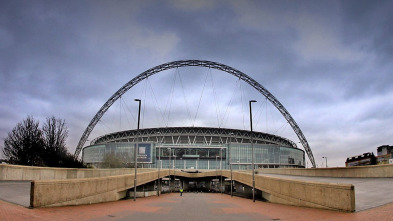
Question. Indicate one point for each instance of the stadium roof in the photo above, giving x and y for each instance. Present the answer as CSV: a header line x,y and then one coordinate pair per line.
x,y
193,135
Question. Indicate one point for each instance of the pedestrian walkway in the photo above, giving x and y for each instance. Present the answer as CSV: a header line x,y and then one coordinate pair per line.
x,y
191,206
17,192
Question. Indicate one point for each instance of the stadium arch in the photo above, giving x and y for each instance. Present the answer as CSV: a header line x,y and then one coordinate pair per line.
x,y
197,63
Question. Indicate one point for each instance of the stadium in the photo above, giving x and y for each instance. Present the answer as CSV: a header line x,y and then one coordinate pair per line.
x,y
203,148
195,148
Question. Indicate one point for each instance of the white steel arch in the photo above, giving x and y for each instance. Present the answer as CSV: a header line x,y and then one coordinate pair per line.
x,y
198,63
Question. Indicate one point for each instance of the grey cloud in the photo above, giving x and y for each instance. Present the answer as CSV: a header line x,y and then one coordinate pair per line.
x,y
322,60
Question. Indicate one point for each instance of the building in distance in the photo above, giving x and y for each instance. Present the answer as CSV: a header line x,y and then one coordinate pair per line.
x,y
384,156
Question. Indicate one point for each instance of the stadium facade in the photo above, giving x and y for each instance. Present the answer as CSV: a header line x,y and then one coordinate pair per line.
x,y
195,148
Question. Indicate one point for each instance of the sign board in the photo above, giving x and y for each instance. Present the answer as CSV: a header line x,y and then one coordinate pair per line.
x,y
144,153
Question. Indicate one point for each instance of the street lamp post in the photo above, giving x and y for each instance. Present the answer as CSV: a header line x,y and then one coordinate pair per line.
x,y
174,170
217,167
252,152
159,166
326,161
221,170
169,167
136,147
231,179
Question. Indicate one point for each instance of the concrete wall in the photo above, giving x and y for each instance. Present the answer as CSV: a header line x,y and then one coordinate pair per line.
x,y
46,193
300,193
63,192
61,186
356,172
103,189
16,172
143,194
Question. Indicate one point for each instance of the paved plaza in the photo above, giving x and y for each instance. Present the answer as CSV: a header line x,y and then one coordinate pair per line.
x,y
191,206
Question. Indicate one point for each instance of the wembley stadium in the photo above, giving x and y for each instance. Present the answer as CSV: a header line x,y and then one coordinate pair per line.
x,y
195,148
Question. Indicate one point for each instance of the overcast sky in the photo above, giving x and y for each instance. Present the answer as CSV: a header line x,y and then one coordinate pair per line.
x,y
328,62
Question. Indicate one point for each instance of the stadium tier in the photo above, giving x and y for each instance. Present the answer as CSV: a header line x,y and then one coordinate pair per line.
x,y
194,148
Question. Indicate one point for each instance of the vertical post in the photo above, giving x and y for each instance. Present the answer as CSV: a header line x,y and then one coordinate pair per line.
x,y
136,147
221,170
174,171
216,168
158,166
326,161
252,153
231,179
169,167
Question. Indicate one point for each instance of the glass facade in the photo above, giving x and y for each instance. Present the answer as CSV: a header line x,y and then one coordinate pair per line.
x,y
122,151
151,155
266,155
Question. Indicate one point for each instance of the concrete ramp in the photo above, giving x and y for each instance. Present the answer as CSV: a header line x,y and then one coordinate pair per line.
x,y
330,196
46,193
60,187
17,192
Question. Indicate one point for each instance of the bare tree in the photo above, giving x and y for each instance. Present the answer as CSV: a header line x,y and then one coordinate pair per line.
x,y
54,134
110,160
27,144
23,145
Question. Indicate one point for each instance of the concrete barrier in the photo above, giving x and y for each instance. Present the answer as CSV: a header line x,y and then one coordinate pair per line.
x,y
301,193
48,193
16,172
63,186
380,171
45,193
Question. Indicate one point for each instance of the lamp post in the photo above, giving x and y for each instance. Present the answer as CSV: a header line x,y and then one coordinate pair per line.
x,y
326,161
231,179
252,152
217,167
136,147
159,166
169,167
221,170
174,170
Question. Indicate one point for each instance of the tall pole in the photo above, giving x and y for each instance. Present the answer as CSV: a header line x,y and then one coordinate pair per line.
x,y
136,147
221,170
174,172
326,161
159,161
169,167
252,153
216,169
231,179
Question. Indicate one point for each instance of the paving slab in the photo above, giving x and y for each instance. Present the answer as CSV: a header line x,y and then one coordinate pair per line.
x,y
191,206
